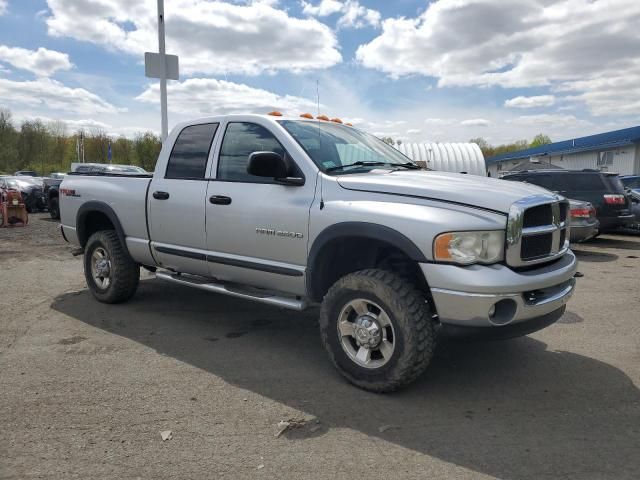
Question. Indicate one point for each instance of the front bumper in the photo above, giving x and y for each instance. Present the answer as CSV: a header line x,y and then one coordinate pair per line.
x,y
466,296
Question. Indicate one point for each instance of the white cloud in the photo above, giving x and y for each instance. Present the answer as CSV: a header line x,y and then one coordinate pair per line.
x,y
353,15
550,120
51,94
530,102
475,122
439,121
3,6
43,62
322,9
414,131
576,44
207,96
209,37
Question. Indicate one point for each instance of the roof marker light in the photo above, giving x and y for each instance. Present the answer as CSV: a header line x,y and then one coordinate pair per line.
x,y
322,117
275,113
306,115
336,120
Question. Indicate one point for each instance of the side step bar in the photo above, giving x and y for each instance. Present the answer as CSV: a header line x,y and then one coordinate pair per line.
x,y
255,295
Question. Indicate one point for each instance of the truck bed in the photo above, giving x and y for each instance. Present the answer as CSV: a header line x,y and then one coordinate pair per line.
x,y
126,195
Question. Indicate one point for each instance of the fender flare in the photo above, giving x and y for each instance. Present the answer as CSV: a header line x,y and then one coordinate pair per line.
x,y
95,206
373,231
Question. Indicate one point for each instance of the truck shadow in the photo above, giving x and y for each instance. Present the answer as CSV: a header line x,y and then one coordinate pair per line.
x,y
508,409
591,256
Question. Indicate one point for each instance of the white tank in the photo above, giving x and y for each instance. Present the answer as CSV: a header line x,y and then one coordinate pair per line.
x,y
447,157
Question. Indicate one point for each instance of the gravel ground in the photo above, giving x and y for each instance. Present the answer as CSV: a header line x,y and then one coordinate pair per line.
x,y
86,388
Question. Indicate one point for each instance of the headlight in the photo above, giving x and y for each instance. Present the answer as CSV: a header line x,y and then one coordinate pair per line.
x,y
469,247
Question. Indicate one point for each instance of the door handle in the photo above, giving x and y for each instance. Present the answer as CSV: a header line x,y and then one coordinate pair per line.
x,y
220,200
161,195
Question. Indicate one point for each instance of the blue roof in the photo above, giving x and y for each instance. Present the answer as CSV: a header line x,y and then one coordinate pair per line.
x,y
617,138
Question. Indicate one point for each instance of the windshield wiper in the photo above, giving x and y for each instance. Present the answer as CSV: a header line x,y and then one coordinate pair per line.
x,y
409,165
356,164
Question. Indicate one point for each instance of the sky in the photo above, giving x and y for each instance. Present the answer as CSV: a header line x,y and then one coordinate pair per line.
x,y
415,70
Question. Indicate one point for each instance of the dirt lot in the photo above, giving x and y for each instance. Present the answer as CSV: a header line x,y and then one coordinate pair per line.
x,y
86,388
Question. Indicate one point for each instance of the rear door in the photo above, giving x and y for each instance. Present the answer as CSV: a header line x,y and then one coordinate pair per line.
x,y
256,228
176,202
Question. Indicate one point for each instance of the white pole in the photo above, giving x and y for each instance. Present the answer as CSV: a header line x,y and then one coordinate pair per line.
x,y
163,78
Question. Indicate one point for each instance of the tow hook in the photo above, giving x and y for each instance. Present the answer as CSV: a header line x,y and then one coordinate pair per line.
x,y
578,275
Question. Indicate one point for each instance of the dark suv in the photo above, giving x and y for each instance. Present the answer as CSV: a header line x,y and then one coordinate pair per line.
x,y
603,190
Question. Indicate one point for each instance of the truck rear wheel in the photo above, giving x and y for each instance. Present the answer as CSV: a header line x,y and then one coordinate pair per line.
x,y
377,329
112,276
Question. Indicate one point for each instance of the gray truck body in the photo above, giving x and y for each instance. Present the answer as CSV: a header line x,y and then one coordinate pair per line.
x,y
279,237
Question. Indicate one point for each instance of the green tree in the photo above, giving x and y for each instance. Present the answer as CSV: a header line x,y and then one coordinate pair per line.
x,y
539,140
147,147
8,142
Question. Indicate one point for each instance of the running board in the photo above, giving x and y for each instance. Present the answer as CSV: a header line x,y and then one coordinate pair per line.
x,y
255,295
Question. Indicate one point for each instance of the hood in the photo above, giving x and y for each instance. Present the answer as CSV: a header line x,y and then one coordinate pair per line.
x,y
484,192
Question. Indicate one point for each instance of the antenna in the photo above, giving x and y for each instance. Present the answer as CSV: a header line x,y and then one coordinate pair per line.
x,y
318,96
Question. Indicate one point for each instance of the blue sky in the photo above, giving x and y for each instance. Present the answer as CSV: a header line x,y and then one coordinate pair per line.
x,y
447,70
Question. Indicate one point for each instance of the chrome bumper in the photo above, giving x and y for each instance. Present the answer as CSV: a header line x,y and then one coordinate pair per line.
x,y
495,295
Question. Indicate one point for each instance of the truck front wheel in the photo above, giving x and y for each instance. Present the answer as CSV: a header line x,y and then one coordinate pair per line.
x,y
112,276
377,328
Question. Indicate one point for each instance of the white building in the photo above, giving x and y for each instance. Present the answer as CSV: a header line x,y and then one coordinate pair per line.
x,y
617,151
447,157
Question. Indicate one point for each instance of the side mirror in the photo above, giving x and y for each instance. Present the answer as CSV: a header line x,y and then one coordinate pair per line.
x,y
271,165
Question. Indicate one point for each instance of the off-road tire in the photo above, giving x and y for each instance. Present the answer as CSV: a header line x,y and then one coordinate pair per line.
x,y
124,275
54,208
412,322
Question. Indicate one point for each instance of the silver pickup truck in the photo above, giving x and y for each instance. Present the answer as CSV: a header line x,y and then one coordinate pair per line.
x,y
295,212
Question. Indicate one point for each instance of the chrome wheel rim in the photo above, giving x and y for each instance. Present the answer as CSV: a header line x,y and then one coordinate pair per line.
x,y
101,268
366,333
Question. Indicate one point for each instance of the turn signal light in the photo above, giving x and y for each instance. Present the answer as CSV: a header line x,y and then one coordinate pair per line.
x,y
275,113
307,115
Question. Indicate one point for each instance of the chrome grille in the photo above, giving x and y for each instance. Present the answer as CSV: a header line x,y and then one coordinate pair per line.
x,y
537,230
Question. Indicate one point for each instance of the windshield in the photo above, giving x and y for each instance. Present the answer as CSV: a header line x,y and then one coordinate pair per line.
x,y
342,149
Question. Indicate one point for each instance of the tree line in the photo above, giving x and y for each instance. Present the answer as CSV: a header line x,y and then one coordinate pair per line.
x,y
490,150
51,146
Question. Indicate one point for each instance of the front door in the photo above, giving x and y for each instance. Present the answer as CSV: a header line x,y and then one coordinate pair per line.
x,y
256,228
176,203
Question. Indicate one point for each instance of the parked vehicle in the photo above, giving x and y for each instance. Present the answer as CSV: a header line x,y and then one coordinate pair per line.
x,y
51,194
107,168
57,175
30,188
631,182
634,198
584,224
603,190
25,173
282,211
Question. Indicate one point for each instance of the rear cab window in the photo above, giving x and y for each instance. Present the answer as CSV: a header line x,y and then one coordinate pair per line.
x,y
188,159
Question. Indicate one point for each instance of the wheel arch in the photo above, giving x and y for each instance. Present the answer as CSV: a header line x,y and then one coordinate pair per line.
x,y
93,216
320,276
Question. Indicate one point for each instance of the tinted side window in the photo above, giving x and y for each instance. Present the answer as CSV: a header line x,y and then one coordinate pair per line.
x,y
584,182
240,141
544,181
188,158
